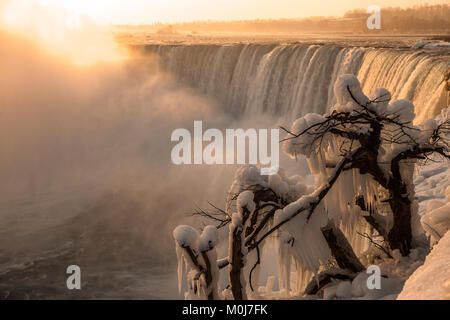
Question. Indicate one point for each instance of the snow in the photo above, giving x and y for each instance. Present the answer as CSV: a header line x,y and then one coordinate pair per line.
x,y
431,280
245,176
390,286
430,124
381,98
431,44
278,185
345,102
245,200
339,201
444,115
344,289
304,143
403,109
269,284
236,221
427,129
214,269
284,261
208,239
301,243
429,181
288,188
436,221
309,247
185,236
291,209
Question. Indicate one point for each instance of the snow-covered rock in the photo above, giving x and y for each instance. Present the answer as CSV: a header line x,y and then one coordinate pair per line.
x,y
432,279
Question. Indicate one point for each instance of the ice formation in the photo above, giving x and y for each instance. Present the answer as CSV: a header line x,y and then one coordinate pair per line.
x,y
197,256
338,205
246,207
436,221
301,243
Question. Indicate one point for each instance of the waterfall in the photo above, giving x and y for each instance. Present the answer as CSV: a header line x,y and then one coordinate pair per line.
x,y
294,79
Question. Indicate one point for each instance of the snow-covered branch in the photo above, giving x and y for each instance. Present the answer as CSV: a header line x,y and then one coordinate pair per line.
x,y
307,203
197,254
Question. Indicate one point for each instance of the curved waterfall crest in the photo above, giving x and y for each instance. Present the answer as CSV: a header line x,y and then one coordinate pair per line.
x,y
294,79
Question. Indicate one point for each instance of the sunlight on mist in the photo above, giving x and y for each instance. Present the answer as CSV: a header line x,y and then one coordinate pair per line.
x,y
65,33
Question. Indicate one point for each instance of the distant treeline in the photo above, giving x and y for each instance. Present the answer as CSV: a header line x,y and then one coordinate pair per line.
x,y
417,19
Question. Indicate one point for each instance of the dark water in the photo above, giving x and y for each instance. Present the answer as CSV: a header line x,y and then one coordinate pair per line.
x,y
106,239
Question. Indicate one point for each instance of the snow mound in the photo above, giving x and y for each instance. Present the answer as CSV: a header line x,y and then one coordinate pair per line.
x,y
432,279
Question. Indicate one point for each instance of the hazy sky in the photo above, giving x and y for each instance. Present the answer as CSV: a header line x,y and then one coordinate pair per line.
x,y
148,11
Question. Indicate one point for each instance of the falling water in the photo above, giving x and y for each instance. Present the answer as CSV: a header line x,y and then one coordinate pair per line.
x,y
294,79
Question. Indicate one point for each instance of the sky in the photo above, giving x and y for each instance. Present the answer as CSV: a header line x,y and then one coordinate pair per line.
x,y
136,12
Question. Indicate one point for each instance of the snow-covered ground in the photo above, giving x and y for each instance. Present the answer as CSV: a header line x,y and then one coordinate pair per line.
x,y
432,279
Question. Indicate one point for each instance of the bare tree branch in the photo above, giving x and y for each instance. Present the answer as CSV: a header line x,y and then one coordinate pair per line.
x,y
319,194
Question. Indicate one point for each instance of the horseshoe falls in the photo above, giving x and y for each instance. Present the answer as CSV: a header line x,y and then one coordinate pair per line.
x,y
290,80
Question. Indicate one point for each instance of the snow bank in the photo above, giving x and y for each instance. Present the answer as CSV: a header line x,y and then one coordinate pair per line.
x,y
436,221
432,280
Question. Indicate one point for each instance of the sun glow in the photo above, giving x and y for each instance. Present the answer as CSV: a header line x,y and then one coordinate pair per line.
x,y
135,12
63,28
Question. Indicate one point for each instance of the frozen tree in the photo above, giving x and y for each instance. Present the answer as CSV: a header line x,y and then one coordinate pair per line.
x,y
362,153
197,254
376,140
